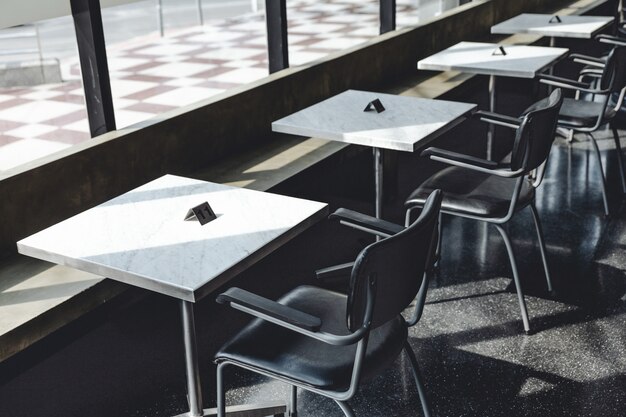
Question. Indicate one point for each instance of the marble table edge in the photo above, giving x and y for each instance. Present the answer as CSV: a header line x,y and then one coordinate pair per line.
x,y
478,71
327,135
570,35
428,66
109,272
501,29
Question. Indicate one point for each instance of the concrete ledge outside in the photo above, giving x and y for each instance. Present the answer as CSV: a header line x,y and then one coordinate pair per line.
x,y
28,73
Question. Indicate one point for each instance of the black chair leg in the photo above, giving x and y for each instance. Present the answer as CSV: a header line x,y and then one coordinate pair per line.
x,y
620,159
345,408
418,379
221,393
439,239
293,402
542,246
518,284
602,178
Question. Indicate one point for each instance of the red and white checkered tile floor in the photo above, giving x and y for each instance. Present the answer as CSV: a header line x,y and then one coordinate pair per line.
x,y
153,75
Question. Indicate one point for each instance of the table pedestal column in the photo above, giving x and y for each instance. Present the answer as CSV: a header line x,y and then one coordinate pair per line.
x,y
194,391
492,108
378,181
551,69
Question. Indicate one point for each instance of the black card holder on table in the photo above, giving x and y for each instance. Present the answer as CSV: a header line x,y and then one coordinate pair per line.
x,y
499,51
555,19
375,105
203,213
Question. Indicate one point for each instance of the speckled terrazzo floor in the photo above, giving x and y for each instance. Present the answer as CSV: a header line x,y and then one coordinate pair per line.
x,y
126,360
474,356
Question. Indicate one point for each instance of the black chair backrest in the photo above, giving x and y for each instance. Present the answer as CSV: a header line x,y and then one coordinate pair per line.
x,y
614,75
619,17
536,133
397,265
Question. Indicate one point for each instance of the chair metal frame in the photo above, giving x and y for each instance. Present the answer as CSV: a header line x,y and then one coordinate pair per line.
x,y
601,68
493,168
359,336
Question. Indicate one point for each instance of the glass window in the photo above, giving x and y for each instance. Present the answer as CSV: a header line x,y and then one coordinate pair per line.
x,y
162,58
411,12
163,54
318,28
42,107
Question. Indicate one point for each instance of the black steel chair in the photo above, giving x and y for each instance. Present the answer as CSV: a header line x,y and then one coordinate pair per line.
x,y
616,38
328,343
581,115
493,192
619,27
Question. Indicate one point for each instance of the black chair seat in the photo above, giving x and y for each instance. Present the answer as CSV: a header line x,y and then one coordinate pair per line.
x,y
282,352
579,113
472,193
582,113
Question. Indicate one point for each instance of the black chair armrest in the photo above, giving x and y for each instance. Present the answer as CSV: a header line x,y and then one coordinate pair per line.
x,y
270,308
564,83
472,163
588,60
610,39
459,157
591,72
497,119
587,57
334,273
366,223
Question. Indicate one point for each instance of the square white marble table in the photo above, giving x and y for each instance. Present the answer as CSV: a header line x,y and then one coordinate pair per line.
x,y
520,61
585,27
141,238
408,123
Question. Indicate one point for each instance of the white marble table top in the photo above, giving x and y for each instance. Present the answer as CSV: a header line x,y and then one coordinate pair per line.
x,y
585,27
141,238
407,123
523,61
